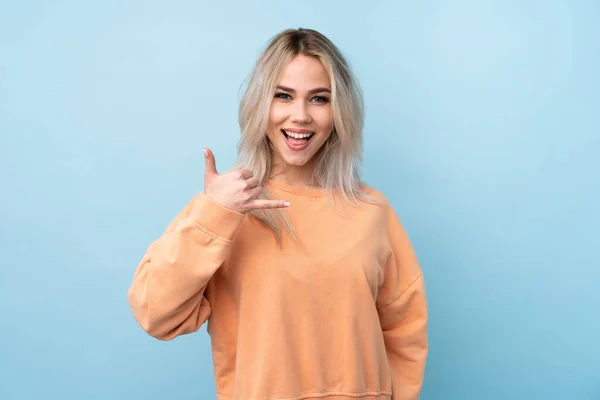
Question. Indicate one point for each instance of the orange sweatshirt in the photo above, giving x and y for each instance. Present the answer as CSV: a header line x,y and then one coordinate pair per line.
x,y
344,318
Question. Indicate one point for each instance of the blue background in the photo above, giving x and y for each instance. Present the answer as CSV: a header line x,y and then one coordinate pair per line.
x,y
482,129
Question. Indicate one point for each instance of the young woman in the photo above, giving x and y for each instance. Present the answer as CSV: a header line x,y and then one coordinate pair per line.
x,y
306,277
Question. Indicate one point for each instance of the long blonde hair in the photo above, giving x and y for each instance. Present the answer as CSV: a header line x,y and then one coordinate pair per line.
x,y
337,162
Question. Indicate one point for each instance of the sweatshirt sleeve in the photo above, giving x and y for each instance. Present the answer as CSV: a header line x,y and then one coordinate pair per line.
x,y
402,308
167,293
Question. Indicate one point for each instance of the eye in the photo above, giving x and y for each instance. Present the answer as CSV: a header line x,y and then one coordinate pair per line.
x,y
321,99
282,95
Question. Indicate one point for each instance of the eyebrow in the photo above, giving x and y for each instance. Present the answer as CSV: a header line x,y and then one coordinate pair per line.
x,y
316,90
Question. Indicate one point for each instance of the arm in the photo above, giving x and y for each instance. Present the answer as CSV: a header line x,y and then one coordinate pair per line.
x,y
402,308
167,293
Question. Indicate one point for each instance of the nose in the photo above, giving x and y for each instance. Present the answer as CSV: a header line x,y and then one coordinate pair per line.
x,y
300,114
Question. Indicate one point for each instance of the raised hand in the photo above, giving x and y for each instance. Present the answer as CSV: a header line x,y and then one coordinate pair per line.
x,y
236,190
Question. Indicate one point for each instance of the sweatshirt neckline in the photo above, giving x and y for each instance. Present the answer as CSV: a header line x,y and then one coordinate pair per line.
x,y
310,192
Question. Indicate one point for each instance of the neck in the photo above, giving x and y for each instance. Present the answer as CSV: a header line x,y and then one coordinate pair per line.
x,y
299,176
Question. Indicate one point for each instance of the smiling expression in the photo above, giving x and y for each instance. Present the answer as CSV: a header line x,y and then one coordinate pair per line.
x,y
300,117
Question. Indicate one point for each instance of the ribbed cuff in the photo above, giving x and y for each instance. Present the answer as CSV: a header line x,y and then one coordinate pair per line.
x,y
215,218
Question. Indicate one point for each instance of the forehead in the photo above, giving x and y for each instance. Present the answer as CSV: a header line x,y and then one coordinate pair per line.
x,y
304,73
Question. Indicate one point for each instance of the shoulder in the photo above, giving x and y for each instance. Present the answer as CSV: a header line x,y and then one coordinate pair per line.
x,y
377,202
387,213
377,195
373,192
389,219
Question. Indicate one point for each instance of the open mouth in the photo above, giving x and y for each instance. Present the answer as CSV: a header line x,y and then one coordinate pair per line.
x,y
299,137
297,141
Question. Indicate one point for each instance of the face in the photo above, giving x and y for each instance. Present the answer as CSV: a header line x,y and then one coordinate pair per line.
x,y
300,118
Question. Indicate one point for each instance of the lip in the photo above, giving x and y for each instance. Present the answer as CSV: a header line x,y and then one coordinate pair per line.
x,y
297,130
296,147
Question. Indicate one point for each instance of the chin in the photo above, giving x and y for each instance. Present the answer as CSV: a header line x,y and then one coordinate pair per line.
x,y
297,161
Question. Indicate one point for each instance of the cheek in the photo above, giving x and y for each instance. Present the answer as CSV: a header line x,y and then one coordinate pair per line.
x,y
277,114
324,118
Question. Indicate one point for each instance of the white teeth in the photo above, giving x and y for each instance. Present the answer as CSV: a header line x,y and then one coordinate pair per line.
x,y
298,135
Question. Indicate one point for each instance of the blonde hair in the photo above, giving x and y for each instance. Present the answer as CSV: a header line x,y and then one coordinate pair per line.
x,y
337,162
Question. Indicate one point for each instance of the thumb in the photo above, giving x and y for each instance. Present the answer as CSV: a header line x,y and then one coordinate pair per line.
x,y
210,164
